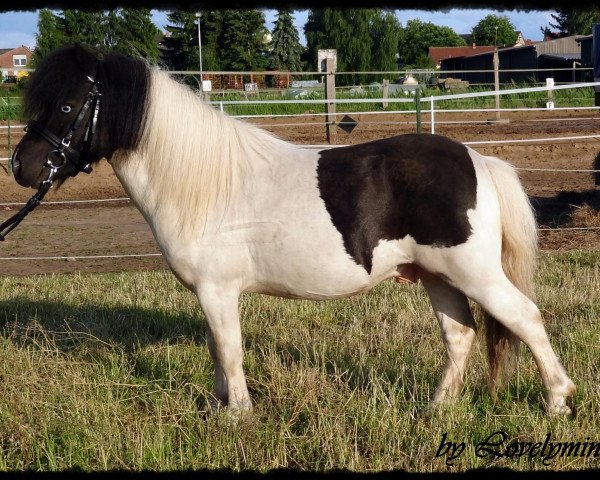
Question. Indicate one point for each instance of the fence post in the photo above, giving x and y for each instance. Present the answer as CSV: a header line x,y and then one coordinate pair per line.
x,y
418,108
596,61
432,115
330,100
496,61
385,91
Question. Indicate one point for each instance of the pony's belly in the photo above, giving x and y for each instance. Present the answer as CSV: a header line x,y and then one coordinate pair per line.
x,y
339,289
326,274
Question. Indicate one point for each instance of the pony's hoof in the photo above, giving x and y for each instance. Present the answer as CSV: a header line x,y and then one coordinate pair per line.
x,y
561,409
236,415
560,404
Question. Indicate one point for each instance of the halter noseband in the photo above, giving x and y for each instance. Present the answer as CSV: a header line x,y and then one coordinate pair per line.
x,y
62,152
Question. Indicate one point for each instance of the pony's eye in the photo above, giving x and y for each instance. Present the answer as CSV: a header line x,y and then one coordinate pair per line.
x,y
65,109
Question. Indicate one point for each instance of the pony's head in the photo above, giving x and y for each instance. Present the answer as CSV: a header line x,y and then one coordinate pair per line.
x,y
81,107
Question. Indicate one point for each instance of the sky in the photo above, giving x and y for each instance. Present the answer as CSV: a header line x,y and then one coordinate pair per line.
x,y
19,28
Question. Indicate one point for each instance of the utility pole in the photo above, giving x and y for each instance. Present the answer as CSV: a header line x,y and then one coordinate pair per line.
x,y
198,14
496,61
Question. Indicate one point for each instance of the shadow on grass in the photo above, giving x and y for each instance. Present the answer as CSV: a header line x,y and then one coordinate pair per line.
x,y
96,334
70,326
345,366
558,211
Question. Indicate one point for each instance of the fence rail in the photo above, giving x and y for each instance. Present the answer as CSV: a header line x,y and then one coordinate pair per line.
x,y
416,101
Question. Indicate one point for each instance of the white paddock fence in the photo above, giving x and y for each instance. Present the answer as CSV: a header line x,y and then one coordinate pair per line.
x,y
431,100
432,110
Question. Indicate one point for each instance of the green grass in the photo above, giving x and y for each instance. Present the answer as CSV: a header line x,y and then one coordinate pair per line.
x,y
581,97
110,371
10,107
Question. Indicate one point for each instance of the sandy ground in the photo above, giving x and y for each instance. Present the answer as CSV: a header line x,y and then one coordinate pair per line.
x,y
560,199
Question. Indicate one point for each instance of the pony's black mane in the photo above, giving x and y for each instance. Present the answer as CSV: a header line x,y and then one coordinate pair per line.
x,y
123,82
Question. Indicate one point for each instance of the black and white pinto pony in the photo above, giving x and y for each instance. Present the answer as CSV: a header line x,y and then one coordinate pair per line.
x,y
234,209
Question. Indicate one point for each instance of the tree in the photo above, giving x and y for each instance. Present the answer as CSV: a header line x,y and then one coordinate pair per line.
x,y
314,32
129,31
494,30
112,30
231,40
418,36
286,48
353,41
362,37
83,27
243,44
212,32
181,46
49,35
385,36
136,34
331,28
572,21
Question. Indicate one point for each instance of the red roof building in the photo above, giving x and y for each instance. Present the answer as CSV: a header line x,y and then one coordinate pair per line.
x,y
437,54
13,60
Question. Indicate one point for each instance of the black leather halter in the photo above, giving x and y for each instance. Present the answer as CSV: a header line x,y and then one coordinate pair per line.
x,y
62,149
57,158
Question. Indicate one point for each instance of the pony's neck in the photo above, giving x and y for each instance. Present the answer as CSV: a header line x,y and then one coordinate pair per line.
x,y
192,160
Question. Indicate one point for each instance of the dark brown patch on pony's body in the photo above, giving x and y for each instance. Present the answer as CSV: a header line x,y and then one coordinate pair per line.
x,y
418,185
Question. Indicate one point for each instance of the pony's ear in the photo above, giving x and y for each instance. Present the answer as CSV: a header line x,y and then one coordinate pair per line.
x,y
86,58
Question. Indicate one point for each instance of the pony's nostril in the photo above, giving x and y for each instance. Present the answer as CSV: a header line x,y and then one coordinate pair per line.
x,y
15,162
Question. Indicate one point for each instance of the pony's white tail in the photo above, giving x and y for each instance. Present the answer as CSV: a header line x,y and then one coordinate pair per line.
x,y
519,259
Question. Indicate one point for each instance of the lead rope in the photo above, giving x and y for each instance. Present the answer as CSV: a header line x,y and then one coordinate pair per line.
x,y
31,204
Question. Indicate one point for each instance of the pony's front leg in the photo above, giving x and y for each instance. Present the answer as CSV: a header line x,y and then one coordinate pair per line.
x,y
220,306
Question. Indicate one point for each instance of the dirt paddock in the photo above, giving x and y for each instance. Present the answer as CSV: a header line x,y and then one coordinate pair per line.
x,y
561,199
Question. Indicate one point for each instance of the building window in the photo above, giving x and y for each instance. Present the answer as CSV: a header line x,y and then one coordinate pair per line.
x,y
19,60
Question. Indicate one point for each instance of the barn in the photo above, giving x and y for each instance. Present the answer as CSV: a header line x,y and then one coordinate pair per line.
x,y
553,55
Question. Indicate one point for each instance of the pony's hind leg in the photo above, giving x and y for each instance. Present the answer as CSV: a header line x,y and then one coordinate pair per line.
x,y
456,322
502,300
220,306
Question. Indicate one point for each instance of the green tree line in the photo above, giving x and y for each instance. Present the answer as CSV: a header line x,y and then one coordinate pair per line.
x,y
238,40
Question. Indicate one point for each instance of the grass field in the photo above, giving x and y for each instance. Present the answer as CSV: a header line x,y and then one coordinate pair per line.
x,y
580,97
110,371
